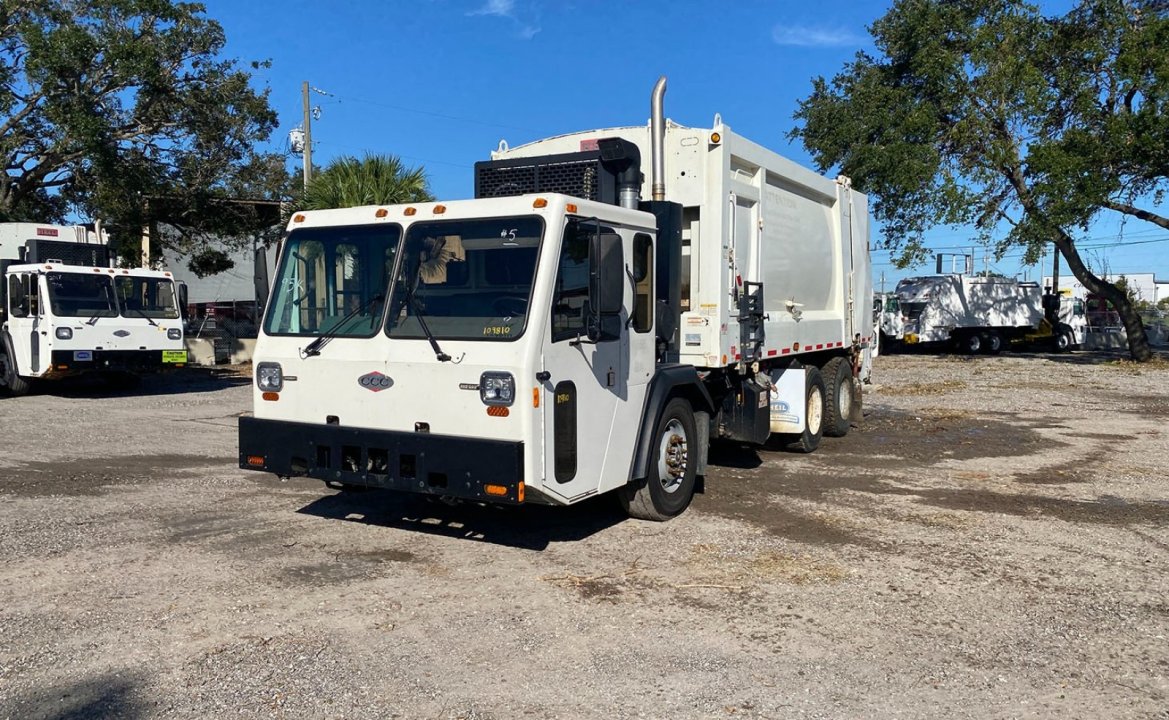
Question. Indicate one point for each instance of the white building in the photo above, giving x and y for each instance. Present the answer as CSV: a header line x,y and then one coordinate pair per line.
x,y
1145,285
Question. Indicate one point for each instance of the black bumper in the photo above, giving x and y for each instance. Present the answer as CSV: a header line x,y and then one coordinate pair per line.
x,y
67,362
411,462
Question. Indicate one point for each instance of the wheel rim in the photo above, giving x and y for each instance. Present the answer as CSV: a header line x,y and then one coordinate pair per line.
x,y
844,399
673,456
974,343
815,410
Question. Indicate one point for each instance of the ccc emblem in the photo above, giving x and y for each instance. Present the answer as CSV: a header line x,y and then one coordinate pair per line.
x,y
375,381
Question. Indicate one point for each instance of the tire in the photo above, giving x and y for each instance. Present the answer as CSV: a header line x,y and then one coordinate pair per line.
x,y
992,342
17,385
837,374
1063,340
969,343
814,412
669,485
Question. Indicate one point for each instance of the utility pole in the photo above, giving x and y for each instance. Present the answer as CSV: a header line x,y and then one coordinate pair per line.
x,y
308,135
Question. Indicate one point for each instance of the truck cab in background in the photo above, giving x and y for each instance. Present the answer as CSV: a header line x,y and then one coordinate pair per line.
x,y
64,311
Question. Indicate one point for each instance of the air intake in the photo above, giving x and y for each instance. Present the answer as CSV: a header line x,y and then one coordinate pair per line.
x,y
578,174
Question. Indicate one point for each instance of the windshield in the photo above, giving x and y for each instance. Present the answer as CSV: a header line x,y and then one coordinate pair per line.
x,y
333,280
146,296
79,295
469,279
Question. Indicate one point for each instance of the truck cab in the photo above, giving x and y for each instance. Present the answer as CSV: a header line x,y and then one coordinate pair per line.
x,y
59,319
496,367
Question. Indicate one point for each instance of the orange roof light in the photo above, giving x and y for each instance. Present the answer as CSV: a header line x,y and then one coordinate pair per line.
x,y
539,203
381,213
409,211
439,209
298,218
571,207
715,138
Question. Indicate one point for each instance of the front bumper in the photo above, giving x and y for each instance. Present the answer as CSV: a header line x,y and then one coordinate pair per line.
x,y
70,362
444,465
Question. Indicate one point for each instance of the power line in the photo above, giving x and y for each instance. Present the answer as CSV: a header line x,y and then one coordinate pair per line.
x,y
429,113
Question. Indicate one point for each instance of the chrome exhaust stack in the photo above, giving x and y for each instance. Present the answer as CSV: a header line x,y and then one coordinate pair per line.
x,y
657,124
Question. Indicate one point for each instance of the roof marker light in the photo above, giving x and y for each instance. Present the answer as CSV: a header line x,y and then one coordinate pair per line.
x,y
439,209
381,213
298,218
539,203
571,207
409,211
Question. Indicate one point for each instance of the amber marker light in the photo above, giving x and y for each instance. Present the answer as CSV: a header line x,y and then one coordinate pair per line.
x,y
256,460
535,397
381,213
497,490
439,209
271,396
519,491
298,218
570,207
498,411
715,138
410,211
539,203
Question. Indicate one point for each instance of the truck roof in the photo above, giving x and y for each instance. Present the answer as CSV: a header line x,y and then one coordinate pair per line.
x,y
61,267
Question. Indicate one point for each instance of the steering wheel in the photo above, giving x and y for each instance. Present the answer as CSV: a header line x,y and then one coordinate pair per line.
x,y
510,306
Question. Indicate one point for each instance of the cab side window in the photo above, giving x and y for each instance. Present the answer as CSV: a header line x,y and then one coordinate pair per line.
x,y
643,276
570,298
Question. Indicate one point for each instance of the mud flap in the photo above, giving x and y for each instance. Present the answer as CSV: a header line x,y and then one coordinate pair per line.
x,y
856,411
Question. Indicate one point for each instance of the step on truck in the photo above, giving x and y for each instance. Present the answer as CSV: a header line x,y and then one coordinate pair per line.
x,y
65,311
979,314
577,328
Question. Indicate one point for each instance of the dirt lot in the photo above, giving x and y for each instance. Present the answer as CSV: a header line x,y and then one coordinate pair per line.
x,y
993,541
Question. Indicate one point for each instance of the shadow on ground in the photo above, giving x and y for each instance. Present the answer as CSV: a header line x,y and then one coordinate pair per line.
x,y
529,527
171,382
106,696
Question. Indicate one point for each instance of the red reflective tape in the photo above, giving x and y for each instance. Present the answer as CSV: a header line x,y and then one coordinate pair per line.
x,y
737,356
770,353
786,351
820,346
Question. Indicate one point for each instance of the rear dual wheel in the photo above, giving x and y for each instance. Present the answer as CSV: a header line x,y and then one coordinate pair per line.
x,y
815,412
837,375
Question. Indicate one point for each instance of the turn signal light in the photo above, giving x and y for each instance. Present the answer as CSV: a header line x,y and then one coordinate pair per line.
x,y
271,396
256,460
495,489
519,491
498,411
535,397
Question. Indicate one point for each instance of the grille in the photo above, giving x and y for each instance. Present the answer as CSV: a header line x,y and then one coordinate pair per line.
x,y
90,255
581,177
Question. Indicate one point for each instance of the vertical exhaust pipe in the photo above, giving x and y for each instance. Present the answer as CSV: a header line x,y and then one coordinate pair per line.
x,y
657,125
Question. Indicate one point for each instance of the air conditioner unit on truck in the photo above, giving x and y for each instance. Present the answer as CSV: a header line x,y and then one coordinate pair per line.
x,y
559,336
976,314
65,311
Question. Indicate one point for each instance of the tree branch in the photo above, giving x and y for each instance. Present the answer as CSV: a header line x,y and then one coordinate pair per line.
x,y
1137,212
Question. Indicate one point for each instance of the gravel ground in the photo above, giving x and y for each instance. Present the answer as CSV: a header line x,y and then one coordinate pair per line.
x,y
991,542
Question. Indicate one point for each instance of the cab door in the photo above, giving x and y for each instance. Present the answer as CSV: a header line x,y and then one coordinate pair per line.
x,y
24,310
586,380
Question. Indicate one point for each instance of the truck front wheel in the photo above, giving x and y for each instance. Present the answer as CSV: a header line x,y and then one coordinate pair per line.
x,y
16,384
669,486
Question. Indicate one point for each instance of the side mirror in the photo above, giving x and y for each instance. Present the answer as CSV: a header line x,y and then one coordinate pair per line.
x,y
260,280
183,300
606,285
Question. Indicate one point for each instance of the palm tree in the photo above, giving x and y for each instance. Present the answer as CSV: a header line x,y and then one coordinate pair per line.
x,y
373,180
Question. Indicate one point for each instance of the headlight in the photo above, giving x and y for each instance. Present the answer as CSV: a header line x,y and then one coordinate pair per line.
x,y
64,333
269,377
174,334
496,388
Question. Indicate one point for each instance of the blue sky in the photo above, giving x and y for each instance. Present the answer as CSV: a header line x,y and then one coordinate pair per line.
x,y
440,82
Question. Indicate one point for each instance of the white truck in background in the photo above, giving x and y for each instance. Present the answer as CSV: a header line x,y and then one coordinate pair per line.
x,y
979,314
559,336
65,311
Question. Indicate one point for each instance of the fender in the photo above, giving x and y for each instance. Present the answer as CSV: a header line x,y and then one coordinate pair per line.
x,y
670,381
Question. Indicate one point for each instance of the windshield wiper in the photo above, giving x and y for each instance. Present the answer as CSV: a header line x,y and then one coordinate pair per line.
x,y
142,314
418,312
314,348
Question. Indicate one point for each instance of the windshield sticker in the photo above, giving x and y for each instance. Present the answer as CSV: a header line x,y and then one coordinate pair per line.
x,y
497,330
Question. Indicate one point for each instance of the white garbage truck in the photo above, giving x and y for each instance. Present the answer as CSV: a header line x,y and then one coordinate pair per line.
x,y
577,328
980,314
65,311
